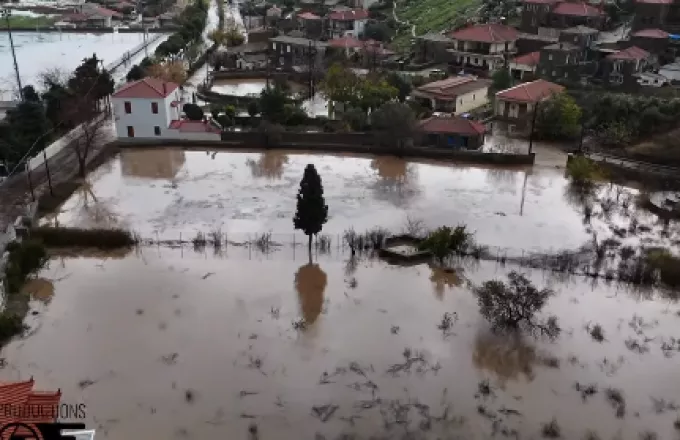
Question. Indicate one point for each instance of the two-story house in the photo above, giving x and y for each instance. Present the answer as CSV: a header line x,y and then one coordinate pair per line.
x,y
623,68
581,36
347,22
152,109
654,41
516,104
311,25
457,95
560,61
288,52
537,14
524,66
482,48
657,14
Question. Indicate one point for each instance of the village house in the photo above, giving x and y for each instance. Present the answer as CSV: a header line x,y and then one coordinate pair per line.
x,y
482,48
656,14
654,41
152,109
581,36
622,68
560,61
311,25
537,14
288,52
432,48
451,132
523,67
457,94
516,104
347,22
90,15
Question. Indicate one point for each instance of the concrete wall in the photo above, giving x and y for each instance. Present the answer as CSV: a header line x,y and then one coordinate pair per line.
x,y
360,143
472,100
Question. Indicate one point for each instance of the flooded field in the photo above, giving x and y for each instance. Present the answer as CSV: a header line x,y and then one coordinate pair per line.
x,y
317,106
165,193
178,344
67,49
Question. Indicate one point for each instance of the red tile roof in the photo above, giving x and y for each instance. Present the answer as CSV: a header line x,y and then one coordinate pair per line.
x,y
345,42
349,14
486,33
530,59
21,404
451,88
186,126
655,2
148,88
105,12
530,92
451,124
308,16
577,9
631,54
651,33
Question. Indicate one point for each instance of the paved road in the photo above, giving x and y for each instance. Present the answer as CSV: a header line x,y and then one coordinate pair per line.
x,y
15,191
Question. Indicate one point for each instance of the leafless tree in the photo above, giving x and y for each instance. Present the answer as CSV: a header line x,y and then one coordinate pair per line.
x,y
86,138
51,76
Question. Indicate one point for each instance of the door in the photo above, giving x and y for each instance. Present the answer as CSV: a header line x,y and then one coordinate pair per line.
x,y
131,131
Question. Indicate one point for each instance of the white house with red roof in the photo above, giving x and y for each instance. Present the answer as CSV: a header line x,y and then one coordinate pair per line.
x,y
92,15
517,103
152,109
555,14
482,47
347,22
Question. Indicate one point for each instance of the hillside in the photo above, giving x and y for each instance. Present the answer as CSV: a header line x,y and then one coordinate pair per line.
x,y
435,15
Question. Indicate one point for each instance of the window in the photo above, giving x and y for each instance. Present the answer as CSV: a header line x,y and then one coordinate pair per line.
x,y
131,131
554,73
154,108
128,107
549,57
157,130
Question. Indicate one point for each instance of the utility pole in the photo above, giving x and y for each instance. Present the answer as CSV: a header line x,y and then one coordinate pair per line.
x,y
47,168
6,13
533,123
310,68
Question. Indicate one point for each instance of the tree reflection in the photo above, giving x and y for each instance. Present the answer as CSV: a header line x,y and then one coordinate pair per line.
x,y
269,165
397,180
310,283
507,356
442,278
91,210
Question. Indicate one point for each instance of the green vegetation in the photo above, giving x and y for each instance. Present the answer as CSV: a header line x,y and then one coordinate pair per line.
x,y
59,237
446,241
558,118
22,21
583,171
435,15
192,21
312,212
666,265
34,123
24,259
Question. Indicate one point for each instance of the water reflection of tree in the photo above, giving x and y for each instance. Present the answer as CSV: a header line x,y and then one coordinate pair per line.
x,y
269,165
310,283
91,210
442,278
397,181
507,356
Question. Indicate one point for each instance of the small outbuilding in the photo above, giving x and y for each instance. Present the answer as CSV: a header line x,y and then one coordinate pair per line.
x,y
452,132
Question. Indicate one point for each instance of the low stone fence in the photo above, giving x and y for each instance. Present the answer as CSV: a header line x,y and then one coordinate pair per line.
x,y
359,143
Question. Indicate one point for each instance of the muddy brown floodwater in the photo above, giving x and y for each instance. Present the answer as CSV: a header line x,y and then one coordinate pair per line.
x,y
171,343
165,193
174,343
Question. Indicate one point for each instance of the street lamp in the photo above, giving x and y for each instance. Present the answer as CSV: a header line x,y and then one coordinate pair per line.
x,y
6,14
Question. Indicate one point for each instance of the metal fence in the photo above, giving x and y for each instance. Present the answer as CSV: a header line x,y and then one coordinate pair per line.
x,y
112,66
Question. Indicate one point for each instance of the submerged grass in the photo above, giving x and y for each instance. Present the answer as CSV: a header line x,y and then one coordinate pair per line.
x,y
60,237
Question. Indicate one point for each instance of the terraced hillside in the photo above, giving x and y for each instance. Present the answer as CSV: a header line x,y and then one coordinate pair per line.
x,y
435,15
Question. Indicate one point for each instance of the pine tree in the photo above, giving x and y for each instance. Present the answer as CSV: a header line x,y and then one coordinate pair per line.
x,y
312,211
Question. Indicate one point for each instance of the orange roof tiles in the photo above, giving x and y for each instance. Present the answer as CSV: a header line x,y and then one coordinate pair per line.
x,y
148,88
530,92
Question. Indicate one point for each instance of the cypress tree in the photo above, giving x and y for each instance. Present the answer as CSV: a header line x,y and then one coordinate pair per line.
x,y
312,212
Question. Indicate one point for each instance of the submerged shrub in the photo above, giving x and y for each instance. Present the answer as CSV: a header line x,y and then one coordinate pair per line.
x,y
77,237
445,241
25,258
583,171
512,306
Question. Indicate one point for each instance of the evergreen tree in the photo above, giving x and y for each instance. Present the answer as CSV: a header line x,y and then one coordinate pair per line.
x,y
312,211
